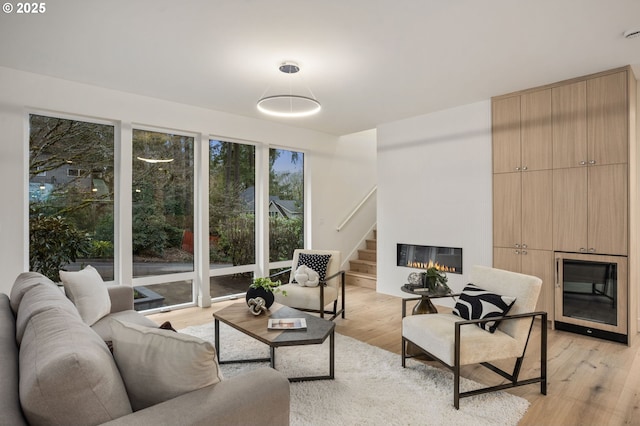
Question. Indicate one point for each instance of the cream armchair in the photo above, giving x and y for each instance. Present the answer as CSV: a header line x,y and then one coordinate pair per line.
x,y
329,290
456,341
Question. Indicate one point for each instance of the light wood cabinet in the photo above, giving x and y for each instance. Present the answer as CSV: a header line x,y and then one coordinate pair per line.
x,y
564,175
536,130
608,209
506,134
569,125
607,115
522,132
570,209
590,124
590,209
538,263
522,210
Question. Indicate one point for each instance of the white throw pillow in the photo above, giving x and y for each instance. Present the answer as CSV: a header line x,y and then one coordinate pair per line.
x,y
88,292
157,365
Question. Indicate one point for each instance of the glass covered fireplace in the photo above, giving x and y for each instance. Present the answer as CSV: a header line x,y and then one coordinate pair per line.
x,y
591,295
447,259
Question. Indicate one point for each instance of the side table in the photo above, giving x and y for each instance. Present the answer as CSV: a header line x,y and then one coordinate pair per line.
x,y
424,306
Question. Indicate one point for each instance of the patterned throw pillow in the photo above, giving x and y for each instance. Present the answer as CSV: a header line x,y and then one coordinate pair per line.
x,y
317,262
477,303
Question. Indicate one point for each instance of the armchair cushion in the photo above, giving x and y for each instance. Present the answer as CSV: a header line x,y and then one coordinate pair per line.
x,y
477,303
317,262
435,333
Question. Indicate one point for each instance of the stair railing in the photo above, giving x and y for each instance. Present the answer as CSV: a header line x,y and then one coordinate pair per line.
x,y
357,208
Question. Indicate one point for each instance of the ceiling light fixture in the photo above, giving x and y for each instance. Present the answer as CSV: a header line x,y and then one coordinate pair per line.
x,y
289,105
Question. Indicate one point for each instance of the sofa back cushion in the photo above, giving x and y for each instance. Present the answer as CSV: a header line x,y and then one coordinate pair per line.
x,y
67,374
22,284
157,365
9,401
88,292
40,298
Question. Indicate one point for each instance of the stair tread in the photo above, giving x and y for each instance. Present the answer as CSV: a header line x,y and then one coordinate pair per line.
x,y
364,262
362,274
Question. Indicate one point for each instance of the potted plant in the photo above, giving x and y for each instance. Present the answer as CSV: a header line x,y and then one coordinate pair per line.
x,y
264,287
435,280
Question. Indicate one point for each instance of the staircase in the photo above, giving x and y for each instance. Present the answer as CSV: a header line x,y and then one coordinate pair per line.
x,y
363,270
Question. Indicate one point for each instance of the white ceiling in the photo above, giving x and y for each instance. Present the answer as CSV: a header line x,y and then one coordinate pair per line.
x,y
367,61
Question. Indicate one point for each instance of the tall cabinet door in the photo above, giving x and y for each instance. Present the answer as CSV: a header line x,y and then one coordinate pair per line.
x,y
607,113
570,209
539,263
508,259
537,211
608,207
569,103
507,209
506,134
535,130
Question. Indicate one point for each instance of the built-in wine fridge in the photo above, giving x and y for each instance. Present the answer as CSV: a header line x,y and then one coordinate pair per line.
x,y
591,295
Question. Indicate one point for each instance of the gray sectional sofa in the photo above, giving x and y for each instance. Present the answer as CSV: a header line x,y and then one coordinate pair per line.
x,y
57,370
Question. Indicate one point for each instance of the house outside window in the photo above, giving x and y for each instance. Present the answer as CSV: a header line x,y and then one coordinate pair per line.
x,y
68,161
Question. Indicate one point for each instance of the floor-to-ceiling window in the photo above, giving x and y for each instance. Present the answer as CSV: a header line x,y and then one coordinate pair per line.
x,y
163,214
286,203
73,184
71,195
232,216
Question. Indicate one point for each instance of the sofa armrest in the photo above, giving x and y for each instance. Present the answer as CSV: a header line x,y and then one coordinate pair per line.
x,y
259,396
121,297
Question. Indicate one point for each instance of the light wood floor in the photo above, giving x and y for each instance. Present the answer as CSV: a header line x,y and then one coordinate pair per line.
x,y
590,381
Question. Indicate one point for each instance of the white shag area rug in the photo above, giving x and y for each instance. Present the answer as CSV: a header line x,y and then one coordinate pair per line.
x,y
370,386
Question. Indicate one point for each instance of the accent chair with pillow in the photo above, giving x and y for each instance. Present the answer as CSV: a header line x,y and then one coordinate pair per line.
x,y
315,297
492,320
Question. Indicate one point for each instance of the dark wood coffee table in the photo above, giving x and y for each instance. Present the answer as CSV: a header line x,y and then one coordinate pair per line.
x,y
239,317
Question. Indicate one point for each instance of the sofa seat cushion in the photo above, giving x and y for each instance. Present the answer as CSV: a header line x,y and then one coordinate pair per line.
x,y
22,284
104,329
38,299
67,373
88,292
157,365
436,331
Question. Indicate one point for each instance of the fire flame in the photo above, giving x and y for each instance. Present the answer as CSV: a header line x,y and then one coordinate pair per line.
x,y
431,264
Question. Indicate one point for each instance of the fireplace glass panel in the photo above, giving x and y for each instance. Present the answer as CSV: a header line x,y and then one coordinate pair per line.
x,y
590,291
447,259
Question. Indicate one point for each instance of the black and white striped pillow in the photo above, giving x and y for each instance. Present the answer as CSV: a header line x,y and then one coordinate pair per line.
x,y
477,303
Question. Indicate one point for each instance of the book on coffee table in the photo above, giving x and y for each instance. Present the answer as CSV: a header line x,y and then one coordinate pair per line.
x,y
287,324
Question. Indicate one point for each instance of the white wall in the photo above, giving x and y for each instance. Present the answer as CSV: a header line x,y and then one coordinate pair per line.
x,y
351,168
434,188
22,92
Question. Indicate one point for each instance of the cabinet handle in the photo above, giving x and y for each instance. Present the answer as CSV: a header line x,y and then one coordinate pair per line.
x,y
516,251
592,162
517,168
524,246
583,163
592,250
525,168
524,252
517,245
557,272
583,250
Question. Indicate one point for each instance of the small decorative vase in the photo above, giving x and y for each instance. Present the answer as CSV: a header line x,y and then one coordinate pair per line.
x,y
268,296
